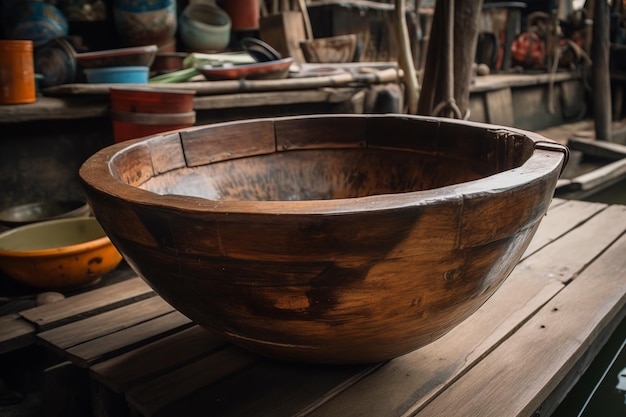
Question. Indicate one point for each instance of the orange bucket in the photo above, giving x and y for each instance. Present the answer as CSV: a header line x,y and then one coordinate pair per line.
x,y
17,72
138,112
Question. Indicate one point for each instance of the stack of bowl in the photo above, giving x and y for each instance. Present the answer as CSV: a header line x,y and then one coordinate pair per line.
x,y
118,66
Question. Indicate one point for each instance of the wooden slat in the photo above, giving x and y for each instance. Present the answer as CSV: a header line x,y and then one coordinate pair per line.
x,y
112,344
271,389
598,148
308,133
516,377
407,383
497,81
209,144
64,337
326,95
16,333
499,104
131,368
88,304
562,218
150,397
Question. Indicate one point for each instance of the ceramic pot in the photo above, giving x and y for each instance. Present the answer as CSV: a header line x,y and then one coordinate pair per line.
x,y
146,22
205,27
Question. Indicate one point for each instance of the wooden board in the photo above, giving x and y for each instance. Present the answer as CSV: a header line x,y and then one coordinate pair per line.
x,y
324,95
272,389
542,352
113,344
562,218
129,369
16,333
88,303
153,395
598,148
284,31
499,104
64,337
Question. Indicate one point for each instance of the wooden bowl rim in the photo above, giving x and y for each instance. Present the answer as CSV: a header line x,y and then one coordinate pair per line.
x,y
545,160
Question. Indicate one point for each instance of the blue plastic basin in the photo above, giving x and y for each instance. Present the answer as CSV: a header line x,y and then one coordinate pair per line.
x,y
123,75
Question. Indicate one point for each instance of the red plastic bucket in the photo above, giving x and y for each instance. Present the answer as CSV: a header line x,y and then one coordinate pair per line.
x,y
138,112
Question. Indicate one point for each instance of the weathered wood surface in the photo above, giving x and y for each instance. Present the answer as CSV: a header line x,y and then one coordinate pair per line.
x,y
20,329
82,331
16,333
498,105
88,304
414,380
111,344
571,320
535,330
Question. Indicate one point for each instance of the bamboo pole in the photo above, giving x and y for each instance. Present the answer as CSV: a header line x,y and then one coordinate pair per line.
x,y
308,29
406,57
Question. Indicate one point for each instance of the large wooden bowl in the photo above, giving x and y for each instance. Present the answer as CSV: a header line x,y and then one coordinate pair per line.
x,y
339,239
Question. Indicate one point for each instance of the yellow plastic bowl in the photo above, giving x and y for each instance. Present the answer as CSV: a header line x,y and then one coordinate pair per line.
x,y
57,254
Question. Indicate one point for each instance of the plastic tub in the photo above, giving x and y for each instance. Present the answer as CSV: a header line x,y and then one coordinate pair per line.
x,y
138,112
118,75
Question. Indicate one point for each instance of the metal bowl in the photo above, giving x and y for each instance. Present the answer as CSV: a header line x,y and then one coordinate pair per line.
x,y
43,210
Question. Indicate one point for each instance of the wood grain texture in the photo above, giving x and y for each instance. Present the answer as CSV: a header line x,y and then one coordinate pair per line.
x,y
572,319
405,385
152,395
62,338
113,344
88,304
159,357
16,333
307,238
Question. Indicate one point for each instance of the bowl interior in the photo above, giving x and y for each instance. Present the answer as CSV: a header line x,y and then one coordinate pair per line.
x,y
298,159
318,175
51,234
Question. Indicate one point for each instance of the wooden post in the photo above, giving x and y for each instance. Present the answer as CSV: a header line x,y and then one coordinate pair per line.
x,y
436,83
601,77
466,20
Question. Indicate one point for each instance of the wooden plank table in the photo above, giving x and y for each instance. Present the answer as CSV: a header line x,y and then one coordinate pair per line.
x,y
518,355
